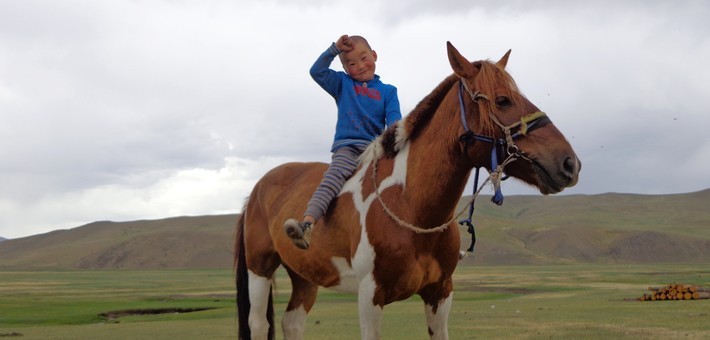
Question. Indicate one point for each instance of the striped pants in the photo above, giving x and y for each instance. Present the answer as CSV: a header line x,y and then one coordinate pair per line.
x,y
342,166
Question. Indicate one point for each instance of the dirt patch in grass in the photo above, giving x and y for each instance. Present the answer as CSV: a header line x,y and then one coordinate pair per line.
x,y
113,315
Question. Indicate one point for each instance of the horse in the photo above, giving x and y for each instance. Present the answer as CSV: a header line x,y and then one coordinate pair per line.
x,y
391,232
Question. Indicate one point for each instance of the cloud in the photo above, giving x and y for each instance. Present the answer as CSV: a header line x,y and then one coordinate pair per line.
x,y
128,110
157,194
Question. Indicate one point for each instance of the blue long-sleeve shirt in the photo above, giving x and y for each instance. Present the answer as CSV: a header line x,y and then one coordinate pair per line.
x,y
365,109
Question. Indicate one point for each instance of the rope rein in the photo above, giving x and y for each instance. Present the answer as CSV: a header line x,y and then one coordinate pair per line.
x,y
495,178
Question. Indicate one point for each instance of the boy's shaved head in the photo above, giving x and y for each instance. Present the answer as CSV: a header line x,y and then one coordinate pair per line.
x,y
357,57
358,39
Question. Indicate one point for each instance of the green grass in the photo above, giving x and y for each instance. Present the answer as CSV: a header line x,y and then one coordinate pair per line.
x,y
506,302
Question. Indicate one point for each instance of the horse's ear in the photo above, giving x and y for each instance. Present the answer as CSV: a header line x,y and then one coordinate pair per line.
x,y
461,66
504,61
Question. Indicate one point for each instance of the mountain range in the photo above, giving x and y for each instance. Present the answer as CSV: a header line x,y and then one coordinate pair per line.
x,y
605,228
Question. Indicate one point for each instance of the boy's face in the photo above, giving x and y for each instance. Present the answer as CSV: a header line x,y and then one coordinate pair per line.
x,y
359,63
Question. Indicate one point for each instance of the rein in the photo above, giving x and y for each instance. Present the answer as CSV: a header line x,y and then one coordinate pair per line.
x,y
494,177
527,123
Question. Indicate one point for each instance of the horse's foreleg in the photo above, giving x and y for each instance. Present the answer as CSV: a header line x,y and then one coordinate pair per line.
x,y
437,318
370,313
437,304
259,291
303,296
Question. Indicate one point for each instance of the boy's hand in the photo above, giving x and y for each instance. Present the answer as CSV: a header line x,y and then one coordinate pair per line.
x,y
344,44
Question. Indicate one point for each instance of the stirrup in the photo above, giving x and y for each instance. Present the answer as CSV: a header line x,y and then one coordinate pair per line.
x,y
299,232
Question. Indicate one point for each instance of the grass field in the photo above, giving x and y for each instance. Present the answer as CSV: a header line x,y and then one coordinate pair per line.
x,y
490,302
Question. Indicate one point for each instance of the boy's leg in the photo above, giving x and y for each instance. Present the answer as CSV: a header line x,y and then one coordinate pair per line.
x,y
343,164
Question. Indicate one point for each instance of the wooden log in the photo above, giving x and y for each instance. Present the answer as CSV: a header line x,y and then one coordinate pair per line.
x,y
676,291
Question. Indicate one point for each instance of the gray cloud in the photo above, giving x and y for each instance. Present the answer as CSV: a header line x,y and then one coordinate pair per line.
x,y
126,110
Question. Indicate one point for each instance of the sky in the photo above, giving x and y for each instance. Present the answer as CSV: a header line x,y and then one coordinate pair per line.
x,y
126,110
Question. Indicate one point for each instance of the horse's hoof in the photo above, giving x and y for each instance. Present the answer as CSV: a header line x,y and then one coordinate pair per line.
x,y
299,233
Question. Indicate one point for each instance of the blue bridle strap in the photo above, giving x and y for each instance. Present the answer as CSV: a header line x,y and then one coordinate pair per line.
x,y
469,136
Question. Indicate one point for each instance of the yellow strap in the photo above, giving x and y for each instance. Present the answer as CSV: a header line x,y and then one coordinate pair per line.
x,y
529,118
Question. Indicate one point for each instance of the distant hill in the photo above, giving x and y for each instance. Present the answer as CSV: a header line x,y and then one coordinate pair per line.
x,y
607,228
179,242
2,239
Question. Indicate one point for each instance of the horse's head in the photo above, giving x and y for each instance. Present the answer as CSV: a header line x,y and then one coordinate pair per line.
x,y
496,114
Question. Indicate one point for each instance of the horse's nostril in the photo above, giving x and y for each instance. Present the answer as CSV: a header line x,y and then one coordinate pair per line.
x,y
570,166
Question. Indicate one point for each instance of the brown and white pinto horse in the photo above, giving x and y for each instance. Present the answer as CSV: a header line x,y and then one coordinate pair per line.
x,y
422,167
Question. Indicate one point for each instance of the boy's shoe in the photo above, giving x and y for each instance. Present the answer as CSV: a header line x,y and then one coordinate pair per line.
x,y
299,232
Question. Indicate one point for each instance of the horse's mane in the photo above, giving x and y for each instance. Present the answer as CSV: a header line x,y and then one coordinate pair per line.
x,y
488,81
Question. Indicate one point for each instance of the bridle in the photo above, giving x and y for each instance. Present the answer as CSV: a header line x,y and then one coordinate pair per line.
x,y
522,127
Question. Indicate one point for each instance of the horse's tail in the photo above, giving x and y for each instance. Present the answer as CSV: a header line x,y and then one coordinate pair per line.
x,y
242,283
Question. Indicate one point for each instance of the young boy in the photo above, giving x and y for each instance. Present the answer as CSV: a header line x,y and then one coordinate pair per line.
x,y
365,107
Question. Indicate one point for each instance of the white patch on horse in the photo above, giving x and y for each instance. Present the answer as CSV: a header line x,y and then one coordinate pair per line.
x,y
375,150
293,323
364,257
399,173
363,204
363,262
259,288
348,279
370,314
437,321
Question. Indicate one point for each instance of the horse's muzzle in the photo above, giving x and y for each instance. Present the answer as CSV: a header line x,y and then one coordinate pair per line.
x,y
555,178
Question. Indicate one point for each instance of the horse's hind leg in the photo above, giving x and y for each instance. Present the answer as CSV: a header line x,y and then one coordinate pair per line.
x,y
259,297
303,296
262,261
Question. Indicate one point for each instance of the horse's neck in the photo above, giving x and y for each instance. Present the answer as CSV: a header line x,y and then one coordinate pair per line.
x,y
436,175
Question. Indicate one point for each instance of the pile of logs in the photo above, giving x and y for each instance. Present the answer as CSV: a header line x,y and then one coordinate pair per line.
x,y
676,292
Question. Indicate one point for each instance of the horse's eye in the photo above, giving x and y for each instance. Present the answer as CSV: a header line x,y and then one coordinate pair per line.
x,y
503,102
